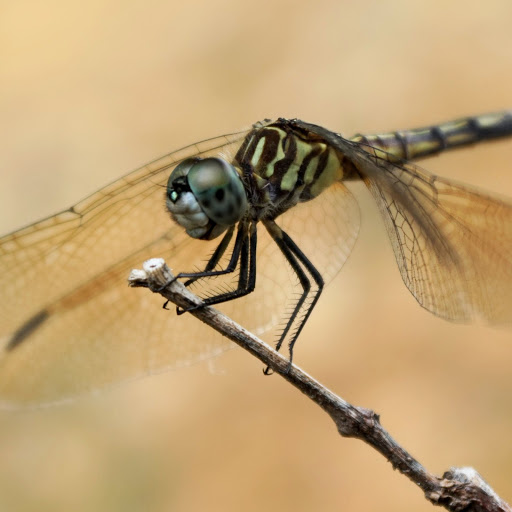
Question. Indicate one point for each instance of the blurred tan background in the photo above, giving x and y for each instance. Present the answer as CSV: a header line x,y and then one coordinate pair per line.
x,y
89,91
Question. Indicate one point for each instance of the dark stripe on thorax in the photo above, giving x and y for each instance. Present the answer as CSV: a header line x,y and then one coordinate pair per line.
x,y
281,167
315,151
322,163
245,155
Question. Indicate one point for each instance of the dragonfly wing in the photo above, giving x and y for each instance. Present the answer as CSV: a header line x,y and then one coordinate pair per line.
x,y
68,321
452,242
325,229
69,324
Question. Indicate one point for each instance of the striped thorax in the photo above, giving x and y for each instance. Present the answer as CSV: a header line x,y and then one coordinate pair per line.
x,y
285,166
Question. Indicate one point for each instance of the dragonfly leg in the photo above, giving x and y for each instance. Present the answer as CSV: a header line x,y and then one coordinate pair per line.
x,y
244,255
215,258
297,260
247,277
212,263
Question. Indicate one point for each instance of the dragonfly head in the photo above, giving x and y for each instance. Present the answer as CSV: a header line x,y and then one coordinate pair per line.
x,y
205,196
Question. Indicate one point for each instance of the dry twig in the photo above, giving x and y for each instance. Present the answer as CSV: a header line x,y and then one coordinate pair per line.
x,y
459,489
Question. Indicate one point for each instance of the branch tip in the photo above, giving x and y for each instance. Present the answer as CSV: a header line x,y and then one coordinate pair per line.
x,y
460,489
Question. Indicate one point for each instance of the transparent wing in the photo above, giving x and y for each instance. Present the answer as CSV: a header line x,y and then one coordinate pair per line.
x,y
326,230
452,242
67,277
72,270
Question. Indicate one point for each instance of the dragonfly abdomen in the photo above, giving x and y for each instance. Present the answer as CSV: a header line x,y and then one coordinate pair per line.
x,y
422,142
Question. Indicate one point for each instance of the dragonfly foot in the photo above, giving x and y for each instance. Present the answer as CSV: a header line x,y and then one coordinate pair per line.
x,y
166,303
181,311
165,285
268,371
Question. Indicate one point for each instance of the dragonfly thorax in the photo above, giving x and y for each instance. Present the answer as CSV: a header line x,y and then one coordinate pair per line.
x,y
205,196
284,165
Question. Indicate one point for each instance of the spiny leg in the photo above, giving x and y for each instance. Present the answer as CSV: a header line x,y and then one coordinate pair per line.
x,y
317,277
305,283
216,256
247,277
213,261
295,257
244,255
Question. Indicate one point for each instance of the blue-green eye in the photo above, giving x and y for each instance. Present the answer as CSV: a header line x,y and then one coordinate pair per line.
x,y
177,182
206,196
219,190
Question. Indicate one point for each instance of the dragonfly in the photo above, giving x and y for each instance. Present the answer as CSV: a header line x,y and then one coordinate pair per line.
x,y
257,221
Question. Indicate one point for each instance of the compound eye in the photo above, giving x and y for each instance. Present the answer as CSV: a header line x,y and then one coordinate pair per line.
x,y
219,190
177,182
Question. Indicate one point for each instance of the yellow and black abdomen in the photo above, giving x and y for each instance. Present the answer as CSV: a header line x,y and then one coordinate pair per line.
x,y
422,142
